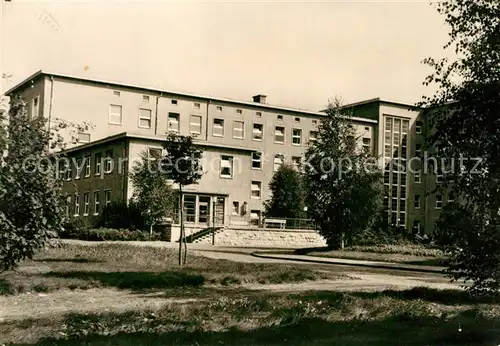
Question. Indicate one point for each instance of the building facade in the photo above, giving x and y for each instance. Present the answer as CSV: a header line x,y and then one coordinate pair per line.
x,y
243,144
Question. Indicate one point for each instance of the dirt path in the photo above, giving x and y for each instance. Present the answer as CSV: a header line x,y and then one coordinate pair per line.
x,y
103,300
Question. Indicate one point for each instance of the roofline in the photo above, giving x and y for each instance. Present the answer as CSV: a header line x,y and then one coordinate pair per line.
x,y
130,135
162,91
379,100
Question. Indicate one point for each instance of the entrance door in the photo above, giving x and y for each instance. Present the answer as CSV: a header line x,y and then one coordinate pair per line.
x,y
204,210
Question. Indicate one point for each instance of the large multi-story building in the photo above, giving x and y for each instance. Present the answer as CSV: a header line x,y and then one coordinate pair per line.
x,y
243,142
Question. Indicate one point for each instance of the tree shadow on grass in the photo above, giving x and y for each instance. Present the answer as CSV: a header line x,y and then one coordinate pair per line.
x,y
445,297
394,330
6,287
73,260
135,280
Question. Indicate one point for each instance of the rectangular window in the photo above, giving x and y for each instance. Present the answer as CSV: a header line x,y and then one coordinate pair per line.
x,y
77,205
279,134
68,170
239,111
96,203
418,150
439,201
418,178
278,161
416,202
313,136
315,122
439,178
145,118
87,166
78,168
108,165
256,187
296,162
190,208
226,166
388,124
115,114
256,160
219,108
145,98
404,129
173,122
297,120
83,137
218,128
418,127
97,163
195,124
258,114
416,227
116,93
280,118
238,129
197,105
257,132
255,217
174,102
296,136
451,197
35,107
107,198
236,208
86,203
367,144
154,153
68,204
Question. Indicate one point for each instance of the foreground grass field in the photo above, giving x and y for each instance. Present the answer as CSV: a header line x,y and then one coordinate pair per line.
x,y
406,254
211,302
126,266
414,317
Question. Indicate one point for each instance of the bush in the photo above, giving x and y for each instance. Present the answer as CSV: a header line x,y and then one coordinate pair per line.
x,y
73,227
102,234
119,215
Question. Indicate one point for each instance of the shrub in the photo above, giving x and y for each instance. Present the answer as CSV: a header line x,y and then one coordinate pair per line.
x,y
119,215
102,234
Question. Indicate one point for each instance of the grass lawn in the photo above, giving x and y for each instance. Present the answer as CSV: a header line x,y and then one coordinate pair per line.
x,y
413,317
137,268
408,254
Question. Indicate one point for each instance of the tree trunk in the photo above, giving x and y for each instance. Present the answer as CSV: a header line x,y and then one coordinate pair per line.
x,y
181,237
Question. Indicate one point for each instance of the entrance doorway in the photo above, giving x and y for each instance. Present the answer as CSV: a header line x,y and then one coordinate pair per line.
x,y
204,210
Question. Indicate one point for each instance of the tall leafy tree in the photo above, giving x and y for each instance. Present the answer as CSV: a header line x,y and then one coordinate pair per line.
x,y
182,165
343,180
153,194
465,116
287,194
32,209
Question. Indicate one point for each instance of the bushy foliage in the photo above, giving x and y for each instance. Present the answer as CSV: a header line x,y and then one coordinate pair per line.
x,y
153,195
32,209
287,194
119,215
103,234
343,181
465,115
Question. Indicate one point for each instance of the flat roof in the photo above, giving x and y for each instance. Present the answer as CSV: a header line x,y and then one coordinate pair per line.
x,y
40,73
131,135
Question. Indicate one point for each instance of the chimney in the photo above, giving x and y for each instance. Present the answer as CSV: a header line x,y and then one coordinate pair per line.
x,y
260,98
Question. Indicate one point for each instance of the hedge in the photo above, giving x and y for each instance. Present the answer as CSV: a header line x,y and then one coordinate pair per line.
x,y
102,234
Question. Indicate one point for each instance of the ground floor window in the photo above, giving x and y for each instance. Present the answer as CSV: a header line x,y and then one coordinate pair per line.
x,y
255,217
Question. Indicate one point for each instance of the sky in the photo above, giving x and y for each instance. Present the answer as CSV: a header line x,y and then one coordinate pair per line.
x,y
300,54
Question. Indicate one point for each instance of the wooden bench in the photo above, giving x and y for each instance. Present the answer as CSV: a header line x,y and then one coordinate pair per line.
x,y
272,223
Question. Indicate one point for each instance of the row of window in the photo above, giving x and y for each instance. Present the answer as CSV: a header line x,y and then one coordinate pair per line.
x,y
84,205
238,129
439,201
218,126
227,163
83,165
